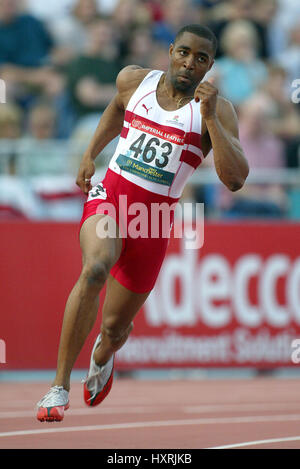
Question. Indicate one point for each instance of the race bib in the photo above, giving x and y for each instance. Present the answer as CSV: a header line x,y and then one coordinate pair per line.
x,y
149,157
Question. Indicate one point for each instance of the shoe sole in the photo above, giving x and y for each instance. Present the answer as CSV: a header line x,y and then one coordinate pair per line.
x,y
101,395
51,414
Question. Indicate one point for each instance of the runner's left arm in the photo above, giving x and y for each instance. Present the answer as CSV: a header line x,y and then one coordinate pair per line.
x,y
222,127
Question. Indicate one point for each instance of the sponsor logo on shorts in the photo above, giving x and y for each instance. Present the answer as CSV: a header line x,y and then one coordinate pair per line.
x,y
98,192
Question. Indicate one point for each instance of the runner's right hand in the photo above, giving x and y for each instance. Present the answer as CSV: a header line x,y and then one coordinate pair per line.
x,y
85,173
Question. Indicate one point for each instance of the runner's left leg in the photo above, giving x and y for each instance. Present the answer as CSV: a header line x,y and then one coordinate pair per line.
x,y
119,309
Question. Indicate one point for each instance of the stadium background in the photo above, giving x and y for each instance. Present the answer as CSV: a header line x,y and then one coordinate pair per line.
x,y
235,302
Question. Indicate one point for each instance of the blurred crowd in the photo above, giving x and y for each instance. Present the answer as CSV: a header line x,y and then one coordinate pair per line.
x,y
60,59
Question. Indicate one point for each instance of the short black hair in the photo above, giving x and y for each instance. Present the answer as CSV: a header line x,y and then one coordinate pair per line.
x,y
201,31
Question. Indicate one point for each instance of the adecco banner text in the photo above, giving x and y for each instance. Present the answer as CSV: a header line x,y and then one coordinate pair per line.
x,y
235,302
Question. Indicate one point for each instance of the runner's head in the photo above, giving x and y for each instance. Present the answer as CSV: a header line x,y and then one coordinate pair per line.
x,y
191,56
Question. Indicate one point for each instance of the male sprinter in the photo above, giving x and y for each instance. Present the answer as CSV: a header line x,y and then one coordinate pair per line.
x,y
168,123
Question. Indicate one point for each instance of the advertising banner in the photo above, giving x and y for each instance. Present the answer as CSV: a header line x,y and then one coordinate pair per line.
x,y
234,302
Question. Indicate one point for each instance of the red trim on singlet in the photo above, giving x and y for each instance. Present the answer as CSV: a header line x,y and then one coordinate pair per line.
x,y
164,129
190,138
190,158
124,132
194,139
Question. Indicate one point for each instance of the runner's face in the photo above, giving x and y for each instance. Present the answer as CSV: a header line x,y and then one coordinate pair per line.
x,y
191,57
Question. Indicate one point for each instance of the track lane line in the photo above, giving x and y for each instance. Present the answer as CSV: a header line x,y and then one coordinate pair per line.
x,y
151,409
258,442
161,423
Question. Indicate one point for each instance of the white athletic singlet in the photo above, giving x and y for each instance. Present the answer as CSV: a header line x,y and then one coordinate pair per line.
x,y
158,150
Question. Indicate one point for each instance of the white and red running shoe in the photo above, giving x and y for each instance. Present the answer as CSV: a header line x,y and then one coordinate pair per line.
x,y
52,406
99,380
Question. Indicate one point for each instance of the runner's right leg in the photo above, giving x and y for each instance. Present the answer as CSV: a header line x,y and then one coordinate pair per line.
x,y
99,255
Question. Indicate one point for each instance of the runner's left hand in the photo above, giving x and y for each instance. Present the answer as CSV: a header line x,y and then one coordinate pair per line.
x,y
207,93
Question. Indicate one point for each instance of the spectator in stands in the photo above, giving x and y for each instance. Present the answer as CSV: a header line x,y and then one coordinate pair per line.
x,y
233,10
50,10
70,31
239,73
263,17
25,53
40,154
42,122
283,116
287,13
156,10
107,7
140,46
10,132
10,121
55,9
92,75
127,16
24,41
263,151
176,13
290,58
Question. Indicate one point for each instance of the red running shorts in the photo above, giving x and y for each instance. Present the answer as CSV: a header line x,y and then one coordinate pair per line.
x,y
141,258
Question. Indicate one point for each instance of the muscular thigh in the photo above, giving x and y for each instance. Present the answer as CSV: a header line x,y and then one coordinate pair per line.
x,y
96,248
120,305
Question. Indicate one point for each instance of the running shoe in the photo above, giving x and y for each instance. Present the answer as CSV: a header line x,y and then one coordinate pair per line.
x,y
99,380
52,406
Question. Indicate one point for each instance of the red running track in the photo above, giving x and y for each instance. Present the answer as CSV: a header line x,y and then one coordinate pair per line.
x,y
254,413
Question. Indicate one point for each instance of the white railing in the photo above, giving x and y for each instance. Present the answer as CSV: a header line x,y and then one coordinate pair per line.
x,y
32,173
31,158
284,176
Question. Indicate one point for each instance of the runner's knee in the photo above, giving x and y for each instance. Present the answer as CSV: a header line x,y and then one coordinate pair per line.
x,y
95,273
115,333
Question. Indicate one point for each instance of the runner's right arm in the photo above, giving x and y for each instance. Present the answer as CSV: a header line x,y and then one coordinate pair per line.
x,y
110,124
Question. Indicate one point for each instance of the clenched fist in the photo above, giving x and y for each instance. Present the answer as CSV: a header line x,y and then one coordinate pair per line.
x,y
207,93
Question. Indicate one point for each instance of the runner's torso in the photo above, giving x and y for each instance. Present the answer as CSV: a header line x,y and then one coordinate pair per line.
x,y
158,150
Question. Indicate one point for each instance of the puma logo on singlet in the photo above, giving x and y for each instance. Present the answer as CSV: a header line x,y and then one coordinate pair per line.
x,y
147,109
